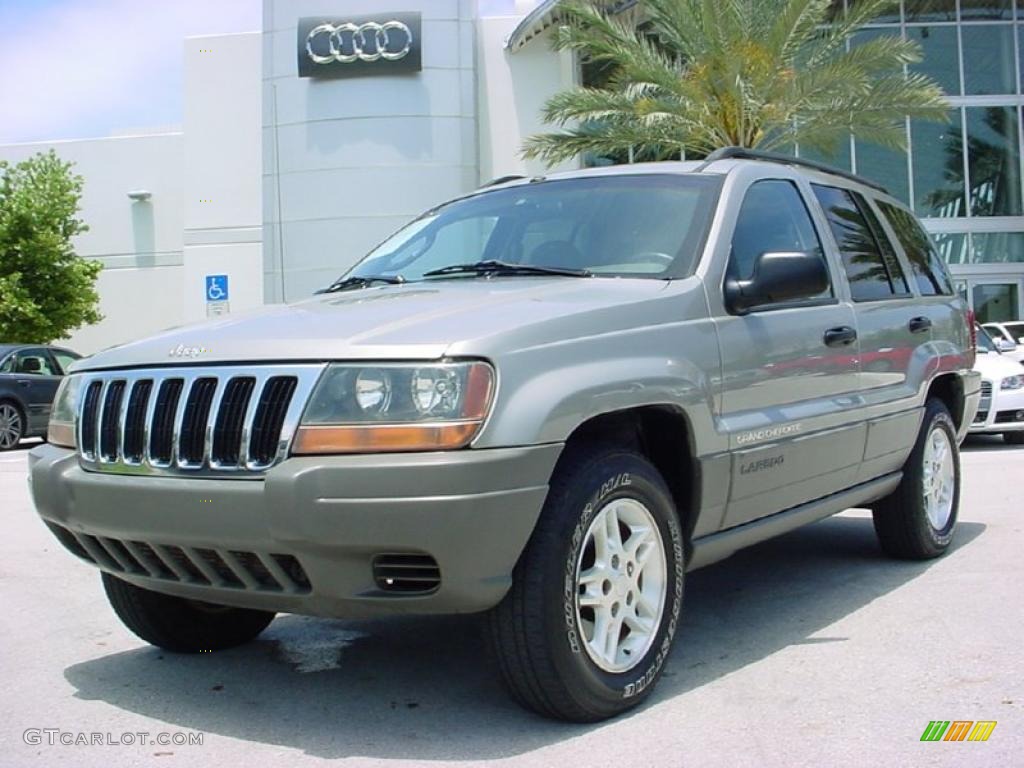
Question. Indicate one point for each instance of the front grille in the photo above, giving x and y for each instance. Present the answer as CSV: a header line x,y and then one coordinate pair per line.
x,y
406,573
227,421
203,566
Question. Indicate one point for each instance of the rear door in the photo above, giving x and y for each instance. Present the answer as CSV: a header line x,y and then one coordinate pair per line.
x,y
789,371
896,355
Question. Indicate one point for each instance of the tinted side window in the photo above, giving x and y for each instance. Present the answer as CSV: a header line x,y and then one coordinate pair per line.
x,y
928,270
862,258
892,261
773,218
34,361
64,359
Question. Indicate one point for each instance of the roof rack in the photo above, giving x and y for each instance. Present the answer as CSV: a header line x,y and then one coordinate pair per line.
x,y
742,153
502,180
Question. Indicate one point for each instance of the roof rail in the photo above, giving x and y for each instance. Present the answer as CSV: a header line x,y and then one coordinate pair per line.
x,y
742,153
502,180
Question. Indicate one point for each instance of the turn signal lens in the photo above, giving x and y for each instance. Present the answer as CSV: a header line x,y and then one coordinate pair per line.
x,y
381,438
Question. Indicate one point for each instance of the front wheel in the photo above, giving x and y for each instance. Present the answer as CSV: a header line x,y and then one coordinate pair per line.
x,y
585,630
177,624
917,520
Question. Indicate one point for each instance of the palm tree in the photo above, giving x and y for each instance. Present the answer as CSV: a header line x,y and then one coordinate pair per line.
x,y
685,77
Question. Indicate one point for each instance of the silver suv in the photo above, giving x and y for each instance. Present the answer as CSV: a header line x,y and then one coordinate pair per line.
x,y
547,401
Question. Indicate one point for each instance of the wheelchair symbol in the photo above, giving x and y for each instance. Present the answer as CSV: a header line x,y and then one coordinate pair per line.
x,y
216,287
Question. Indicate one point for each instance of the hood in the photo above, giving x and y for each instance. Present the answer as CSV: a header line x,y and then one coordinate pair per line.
x,y
995,366
417,321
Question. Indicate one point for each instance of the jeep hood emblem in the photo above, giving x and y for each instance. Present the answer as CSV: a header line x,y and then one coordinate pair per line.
x,y
182,351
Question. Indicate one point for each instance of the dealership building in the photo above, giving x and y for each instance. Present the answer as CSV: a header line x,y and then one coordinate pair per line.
x,y
304,145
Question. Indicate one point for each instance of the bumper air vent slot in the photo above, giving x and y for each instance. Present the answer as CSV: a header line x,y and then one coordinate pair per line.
x,y
406,573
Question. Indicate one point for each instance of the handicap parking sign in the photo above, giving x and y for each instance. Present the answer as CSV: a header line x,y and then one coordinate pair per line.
x,y
216,287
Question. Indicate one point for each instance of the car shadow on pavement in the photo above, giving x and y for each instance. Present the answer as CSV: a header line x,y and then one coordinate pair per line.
x,y
423,688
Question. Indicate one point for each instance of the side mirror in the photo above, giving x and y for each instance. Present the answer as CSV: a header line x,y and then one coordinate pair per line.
x,y
1005,345
778,276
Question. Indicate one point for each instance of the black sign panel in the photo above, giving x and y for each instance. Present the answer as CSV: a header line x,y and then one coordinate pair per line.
x,y
384,44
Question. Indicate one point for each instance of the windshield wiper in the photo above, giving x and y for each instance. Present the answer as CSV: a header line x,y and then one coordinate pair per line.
x,y
361,281
504,268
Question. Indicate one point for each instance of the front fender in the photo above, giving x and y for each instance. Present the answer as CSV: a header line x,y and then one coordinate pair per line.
x,y
545,393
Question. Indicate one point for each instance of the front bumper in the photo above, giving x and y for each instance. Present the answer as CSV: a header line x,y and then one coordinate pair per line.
x,y
1003,412
304,539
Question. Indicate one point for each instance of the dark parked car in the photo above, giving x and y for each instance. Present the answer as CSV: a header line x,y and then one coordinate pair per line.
x,y
29,375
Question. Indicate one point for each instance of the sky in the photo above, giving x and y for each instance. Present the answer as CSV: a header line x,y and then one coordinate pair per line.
x,y
74,69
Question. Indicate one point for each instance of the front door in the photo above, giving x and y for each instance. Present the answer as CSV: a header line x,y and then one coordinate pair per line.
x,y
789,372
37,378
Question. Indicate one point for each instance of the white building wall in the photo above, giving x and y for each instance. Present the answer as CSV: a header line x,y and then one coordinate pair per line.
x,y
138,243
348,161
223,212
513,88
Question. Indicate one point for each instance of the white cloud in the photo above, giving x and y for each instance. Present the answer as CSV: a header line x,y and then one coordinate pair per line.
x,y
78,68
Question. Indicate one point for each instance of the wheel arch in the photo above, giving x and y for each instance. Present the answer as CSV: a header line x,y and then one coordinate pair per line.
x,y
949,389
664,435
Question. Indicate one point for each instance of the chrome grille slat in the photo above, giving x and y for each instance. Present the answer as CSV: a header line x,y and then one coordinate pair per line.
x,y
226,443
241,422
133,432
195,417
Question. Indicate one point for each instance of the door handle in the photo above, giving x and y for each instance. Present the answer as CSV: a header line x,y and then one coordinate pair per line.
x,y
842,336
920,324
24,383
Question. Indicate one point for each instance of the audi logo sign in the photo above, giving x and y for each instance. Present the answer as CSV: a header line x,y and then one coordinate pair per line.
x,y
384,44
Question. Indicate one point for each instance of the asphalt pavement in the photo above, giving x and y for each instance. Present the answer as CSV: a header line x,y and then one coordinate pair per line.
x,y
809,650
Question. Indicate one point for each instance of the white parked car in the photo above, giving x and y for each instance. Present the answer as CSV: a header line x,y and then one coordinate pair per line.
x,y
1009,337
1002,393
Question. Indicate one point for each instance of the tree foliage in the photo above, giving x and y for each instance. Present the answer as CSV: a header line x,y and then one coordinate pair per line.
x,y
688,76
46,290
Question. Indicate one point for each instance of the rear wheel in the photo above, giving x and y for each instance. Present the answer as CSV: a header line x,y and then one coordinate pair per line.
x,y
1014,438
12,426
178,624
918,519
585,630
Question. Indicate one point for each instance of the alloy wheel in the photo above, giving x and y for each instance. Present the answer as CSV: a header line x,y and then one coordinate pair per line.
x,y
939,478
10,426
621,585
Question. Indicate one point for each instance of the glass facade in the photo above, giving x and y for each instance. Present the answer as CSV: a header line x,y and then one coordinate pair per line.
x,y
964,178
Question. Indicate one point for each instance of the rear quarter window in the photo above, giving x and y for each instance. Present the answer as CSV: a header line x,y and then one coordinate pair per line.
x,y
928,270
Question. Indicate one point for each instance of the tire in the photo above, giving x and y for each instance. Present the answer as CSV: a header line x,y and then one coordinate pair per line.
x,y
12,425
180,625
908,525
1014,438
541,634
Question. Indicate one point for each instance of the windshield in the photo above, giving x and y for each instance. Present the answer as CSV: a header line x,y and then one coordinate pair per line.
x,y
1016,330
609,226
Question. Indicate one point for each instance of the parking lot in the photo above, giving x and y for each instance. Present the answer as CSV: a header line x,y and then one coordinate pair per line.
x,y
808,650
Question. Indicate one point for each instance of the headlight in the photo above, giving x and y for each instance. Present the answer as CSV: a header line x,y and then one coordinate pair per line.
x,y
1012,382
396,407
61,430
